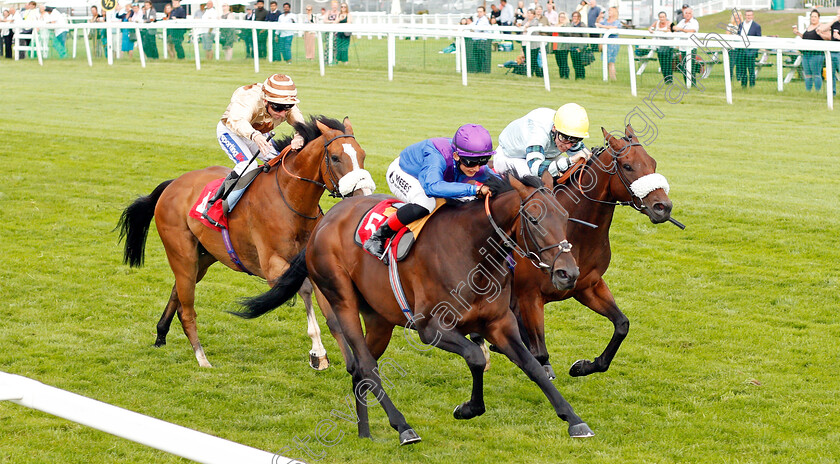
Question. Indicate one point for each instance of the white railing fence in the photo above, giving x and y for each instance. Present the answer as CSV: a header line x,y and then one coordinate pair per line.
x,y
145,430
707,43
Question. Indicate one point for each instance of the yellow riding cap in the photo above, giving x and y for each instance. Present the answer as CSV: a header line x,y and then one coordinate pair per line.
x,y
571,119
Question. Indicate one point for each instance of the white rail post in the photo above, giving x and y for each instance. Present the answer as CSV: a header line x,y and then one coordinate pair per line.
x,y
544,57
689,64
604,70
463,40
75,40
217,39
109,44
196,49
165,41
331,55
255,49
392,55
36,34
270,47
632,57
320,37
727,75
780,65
528,59
87,47
829,80
155,433
458,52
140,48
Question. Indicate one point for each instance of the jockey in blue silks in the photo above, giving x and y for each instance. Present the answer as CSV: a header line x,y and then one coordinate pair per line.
x,y
435,168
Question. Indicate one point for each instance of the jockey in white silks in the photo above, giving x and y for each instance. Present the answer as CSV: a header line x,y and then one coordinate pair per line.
x,y
536,142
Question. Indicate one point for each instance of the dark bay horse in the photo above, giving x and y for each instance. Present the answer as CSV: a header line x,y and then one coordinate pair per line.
x,y
269,226
622,173
456,280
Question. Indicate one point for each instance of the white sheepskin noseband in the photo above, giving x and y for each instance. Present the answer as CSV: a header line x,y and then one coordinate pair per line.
x,y
646,184
355,180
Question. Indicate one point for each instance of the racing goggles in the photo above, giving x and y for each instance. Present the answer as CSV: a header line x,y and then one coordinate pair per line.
x,y
566,138
471,162
278,107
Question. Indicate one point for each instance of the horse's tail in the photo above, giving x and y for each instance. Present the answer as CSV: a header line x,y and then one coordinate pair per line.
x,y
285,288
134,225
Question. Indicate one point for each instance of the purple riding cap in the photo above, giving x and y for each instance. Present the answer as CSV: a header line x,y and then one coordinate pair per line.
x,y
473,141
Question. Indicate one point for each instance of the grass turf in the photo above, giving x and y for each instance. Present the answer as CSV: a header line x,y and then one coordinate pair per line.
x,y
732,351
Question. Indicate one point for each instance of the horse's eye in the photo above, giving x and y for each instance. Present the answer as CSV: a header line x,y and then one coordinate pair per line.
x,y
627,167
336,159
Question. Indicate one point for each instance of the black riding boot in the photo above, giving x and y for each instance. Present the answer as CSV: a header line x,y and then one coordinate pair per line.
x,y
221,194
375,245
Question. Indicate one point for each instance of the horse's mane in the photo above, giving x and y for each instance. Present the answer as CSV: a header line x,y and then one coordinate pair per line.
x,y
309,130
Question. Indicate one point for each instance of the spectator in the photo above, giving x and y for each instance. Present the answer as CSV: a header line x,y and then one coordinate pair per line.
x,y
506,17
59,41
495,13
149,36
271,17
519,14
227,36
835,56
285,37
665,54
746,66
552,15
479,51
593,18
680,13
330,17
583,9
127,35
517,65
247,35
6,31
689,25
175,39
734,27
612,22
561,52
260,14
342,39
208,35
577,52
532,21
813,61
309,37
99,36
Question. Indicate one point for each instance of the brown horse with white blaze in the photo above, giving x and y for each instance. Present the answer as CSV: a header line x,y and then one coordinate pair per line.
x,y
269,225
623,173
456,280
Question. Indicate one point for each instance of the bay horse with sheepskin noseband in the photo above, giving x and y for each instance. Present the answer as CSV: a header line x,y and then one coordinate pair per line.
x,y
456,280
623,173
268,227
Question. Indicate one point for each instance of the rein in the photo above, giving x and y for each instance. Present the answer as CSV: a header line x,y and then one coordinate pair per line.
x,y
508,242
615,170
330,172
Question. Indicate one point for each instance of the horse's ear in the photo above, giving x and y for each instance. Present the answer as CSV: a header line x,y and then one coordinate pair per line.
x,y
607,135
628,131
548,179
322,127
518,186
348,128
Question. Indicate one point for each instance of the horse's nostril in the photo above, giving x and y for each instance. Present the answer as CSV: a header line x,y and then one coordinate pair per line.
x,y
659,207
562,274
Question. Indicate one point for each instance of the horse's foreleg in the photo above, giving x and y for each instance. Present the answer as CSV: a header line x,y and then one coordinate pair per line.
x,y
599,299
531,322
505,335
318,354
335,328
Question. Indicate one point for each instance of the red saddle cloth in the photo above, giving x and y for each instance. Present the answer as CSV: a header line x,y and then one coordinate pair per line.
x,y
374,218
215,213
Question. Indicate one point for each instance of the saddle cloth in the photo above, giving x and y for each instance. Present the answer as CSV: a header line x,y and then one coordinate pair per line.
x,y
216,213
405,237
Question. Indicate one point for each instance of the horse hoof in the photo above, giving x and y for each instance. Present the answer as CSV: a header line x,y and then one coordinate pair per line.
x,y
580,431
495,349
319,363
549,371
159,343
408,437
465,411
577,369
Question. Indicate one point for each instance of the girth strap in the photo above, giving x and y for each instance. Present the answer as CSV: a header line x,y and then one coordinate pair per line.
x,y
232,253
396,285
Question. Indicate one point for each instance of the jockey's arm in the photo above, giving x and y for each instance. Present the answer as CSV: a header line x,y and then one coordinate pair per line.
x,y
431,178
295,116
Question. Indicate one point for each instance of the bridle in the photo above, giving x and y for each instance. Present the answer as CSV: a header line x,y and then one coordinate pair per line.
x,y
615,170
508,242
330,171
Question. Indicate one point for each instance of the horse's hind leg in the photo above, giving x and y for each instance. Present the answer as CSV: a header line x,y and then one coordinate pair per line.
x,y
318,354
599,299
505,335
173,306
